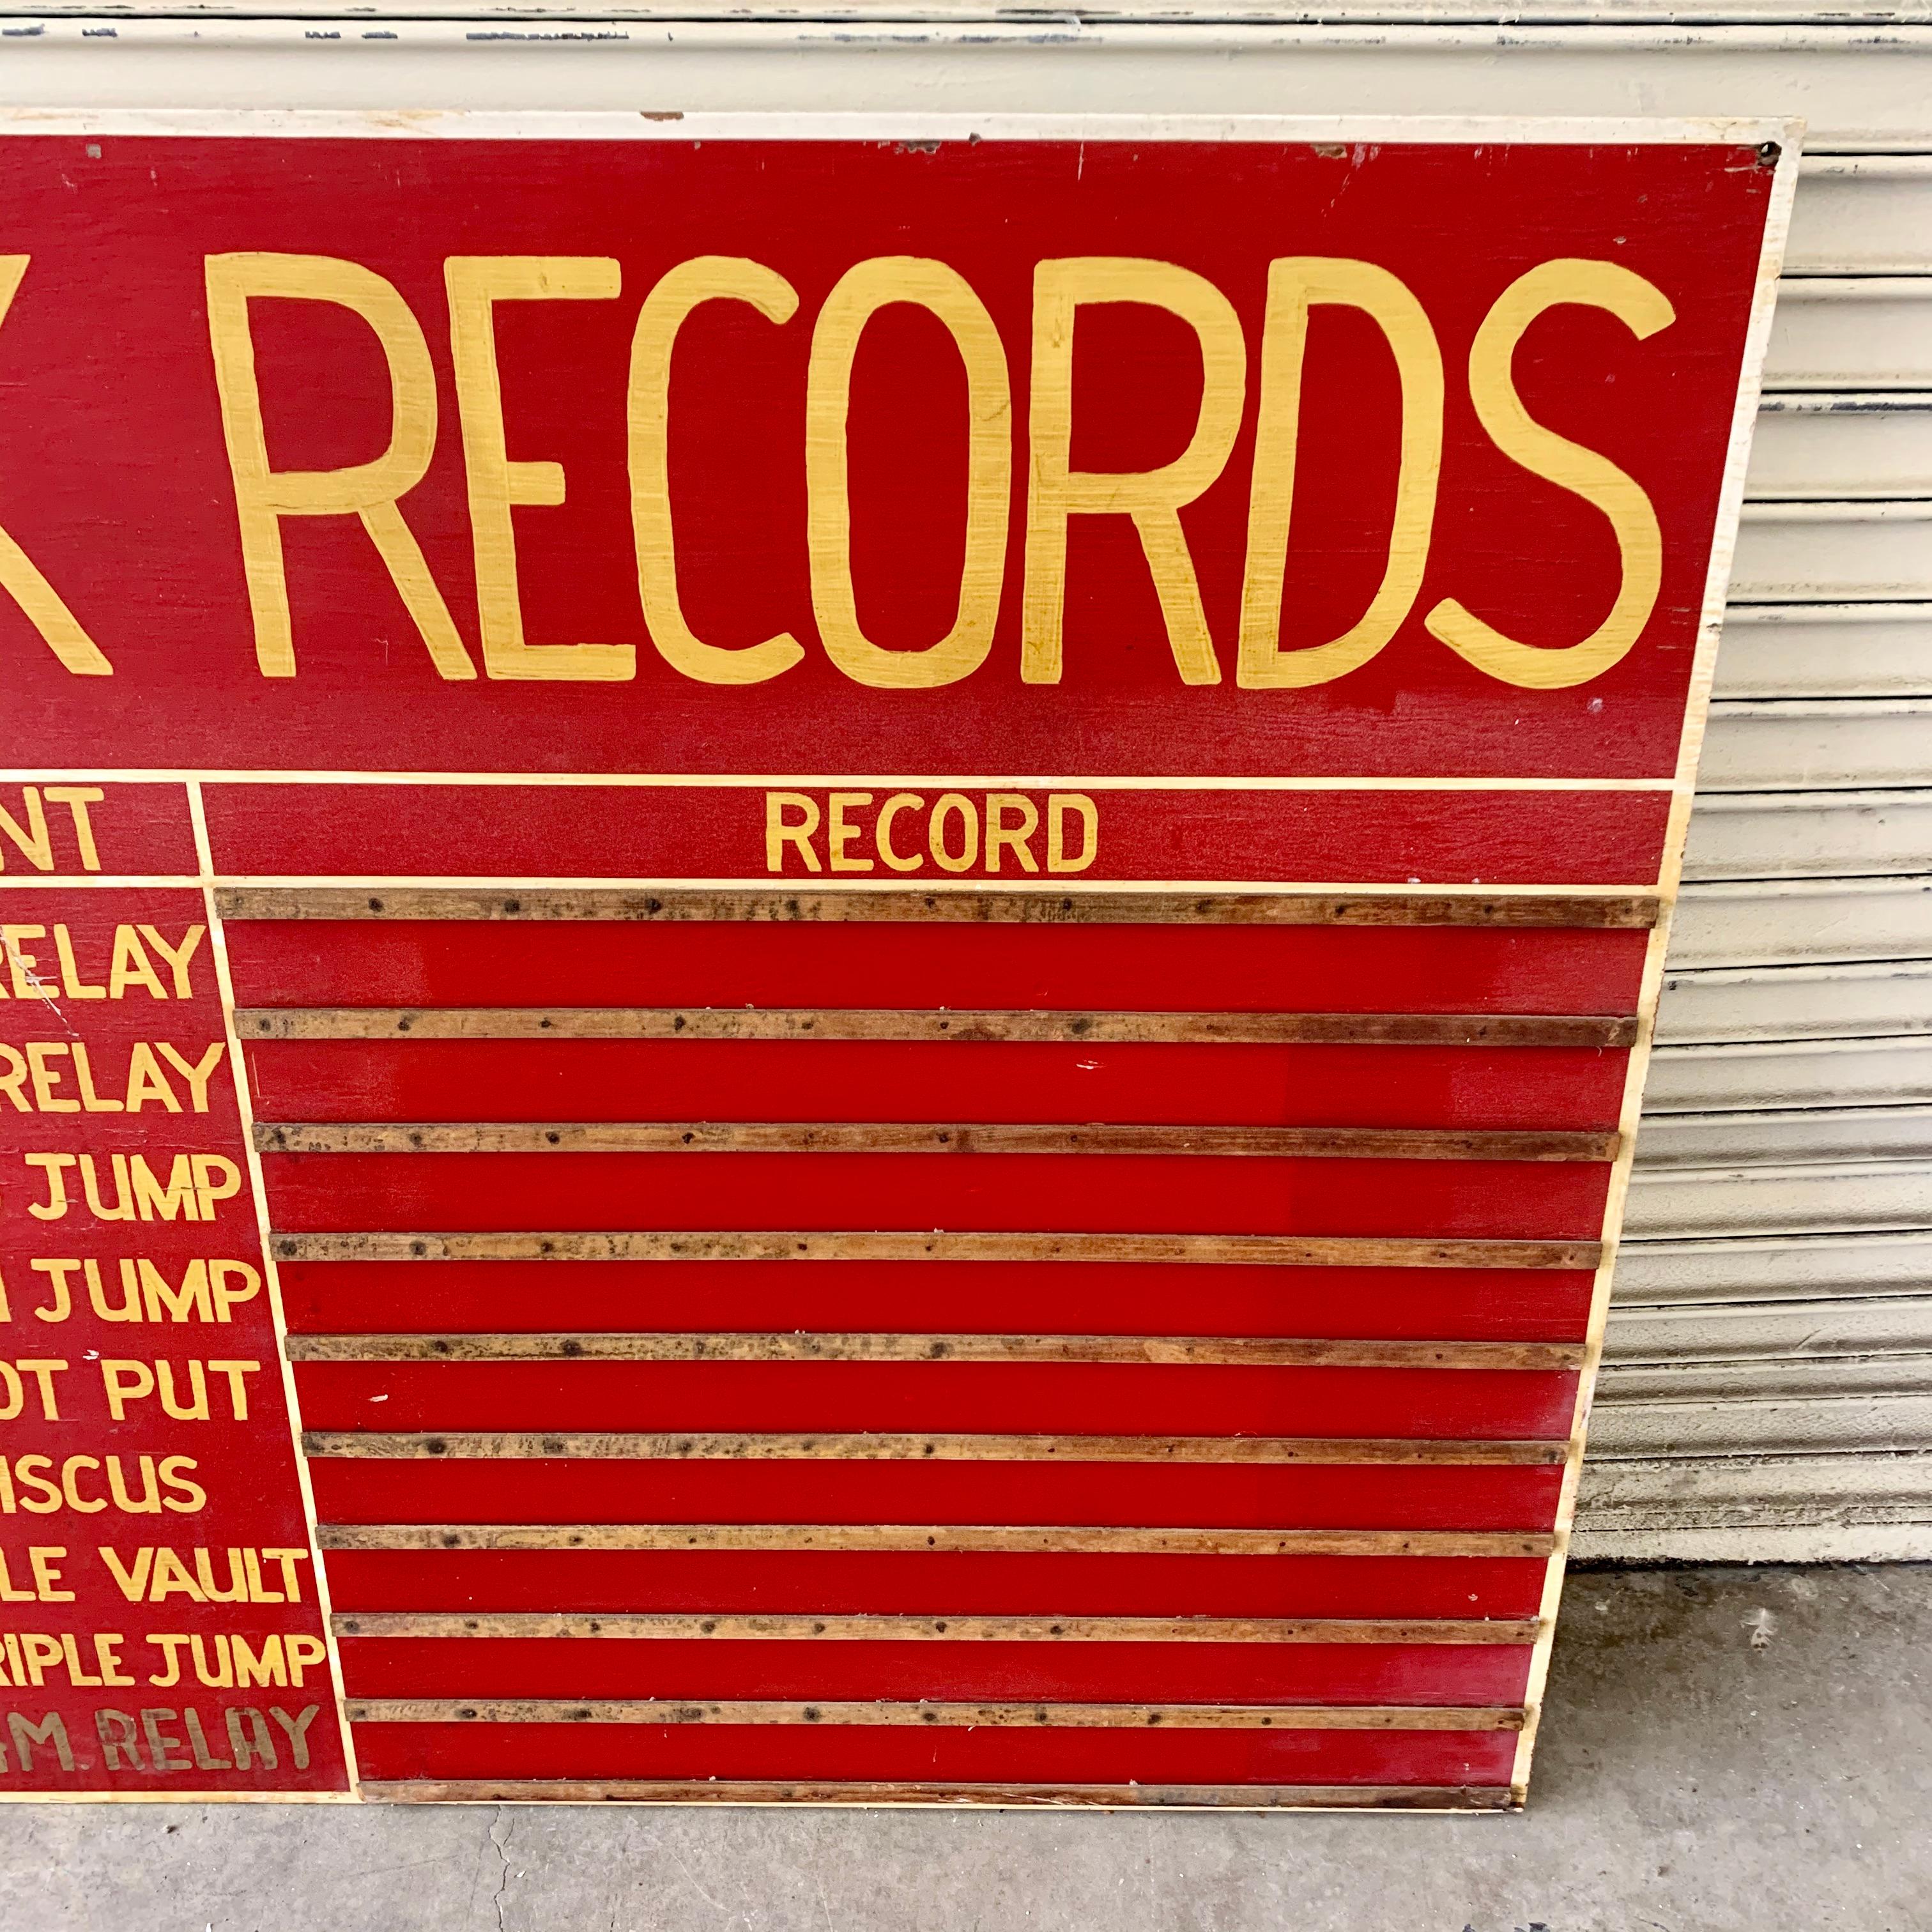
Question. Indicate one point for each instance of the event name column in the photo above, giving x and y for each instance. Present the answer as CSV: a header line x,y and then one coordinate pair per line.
x,y
160,1629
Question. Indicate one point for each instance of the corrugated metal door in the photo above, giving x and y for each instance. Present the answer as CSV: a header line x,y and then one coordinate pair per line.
x,y
1768,1390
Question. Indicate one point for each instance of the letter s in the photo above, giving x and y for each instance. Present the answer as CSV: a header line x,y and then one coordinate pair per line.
x,y
1643,309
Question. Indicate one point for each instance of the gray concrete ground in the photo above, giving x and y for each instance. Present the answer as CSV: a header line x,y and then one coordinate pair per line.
x,y
1723,1749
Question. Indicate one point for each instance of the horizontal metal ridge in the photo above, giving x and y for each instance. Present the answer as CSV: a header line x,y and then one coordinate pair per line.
x,y
902,1137
1756,1076
1024,1539
1698,1424
690,1445
1791,1136
1863,286
1718,1490
1625,27
1774,1536
937,1716
650,1244
1899,1375
1622,23
1799,922
1838,510
1827,709
1848,401
1824,650
732,1625
1836,834
1772,1269
841,1024
1790,1334
1876,167
1783,616
1046,906
1830,1197
955,1796
1767,1004
1169,1351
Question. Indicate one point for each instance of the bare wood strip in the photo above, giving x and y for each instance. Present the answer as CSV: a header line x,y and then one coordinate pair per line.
x,y
985,1797
897,1137
964,907
1049,1539
1001,1717
1091,1029
731,1625
665,1245
611,1447
1174,1350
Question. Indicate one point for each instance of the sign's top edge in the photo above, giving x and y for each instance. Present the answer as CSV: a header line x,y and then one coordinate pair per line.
x,y
458,123
1767,25
1539,16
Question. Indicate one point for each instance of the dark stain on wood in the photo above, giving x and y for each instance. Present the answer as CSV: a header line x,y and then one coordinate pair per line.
x,y
896,1137
650,1244
968,907
614,1446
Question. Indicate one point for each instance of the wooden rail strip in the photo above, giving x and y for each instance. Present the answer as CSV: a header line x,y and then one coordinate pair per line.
x,y
1089,1029
922,1716
612,1446
897,1137
957,1796
1048,906
772,1245
734,1626
1055,1539
1173,1352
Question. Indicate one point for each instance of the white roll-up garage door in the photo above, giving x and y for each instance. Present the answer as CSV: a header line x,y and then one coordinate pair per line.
x,y
1768,1386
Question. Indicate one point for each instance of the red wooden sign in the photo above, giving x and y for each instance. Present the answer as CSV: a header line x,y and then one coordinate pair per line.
x,y
878,904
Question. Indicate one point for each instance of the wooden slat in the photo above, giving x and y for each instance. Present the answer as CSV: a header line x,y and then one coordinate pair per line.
x,y
934,1716
733,1245
897,1137
1174,1351
980,1797
734,1625
1054,1539
611,1446
1091,1029
971,907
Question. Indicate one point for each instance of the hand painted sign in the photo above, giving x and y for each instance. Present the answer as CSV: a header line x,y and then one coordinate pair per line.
x,y
880,901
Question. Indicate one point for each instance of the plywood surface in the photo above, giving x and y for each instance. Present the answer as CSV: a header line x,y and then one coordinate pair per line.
x,y
1241,843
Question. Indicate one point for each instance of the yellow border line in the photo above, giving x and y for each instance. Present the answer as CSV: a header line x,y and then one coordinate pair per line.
x,y
765,780
814,883
218,948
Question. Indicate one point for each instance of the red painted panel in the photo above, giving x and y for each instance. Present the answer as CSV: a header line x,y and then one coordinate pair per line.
x,y
804,963
122,490
969,1297
1005,1757
950,1583
1449,838
1145,1193
1244,1673
1133,1494
1688,217
1029,1398
829,1080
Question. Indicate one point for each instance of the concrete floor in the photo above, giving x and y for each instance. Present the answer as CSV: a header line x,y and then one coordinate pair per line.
x,y
1723,1749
